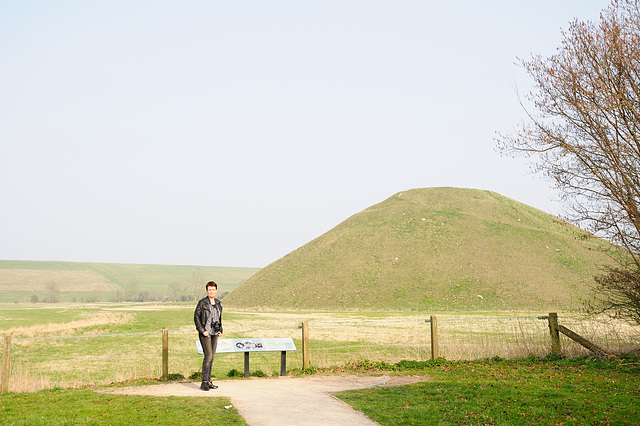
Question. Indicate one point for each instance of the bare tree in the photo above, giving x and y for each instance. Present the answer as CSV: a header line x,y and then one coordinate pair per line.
x,y
132,292
583,132
53,292
198,282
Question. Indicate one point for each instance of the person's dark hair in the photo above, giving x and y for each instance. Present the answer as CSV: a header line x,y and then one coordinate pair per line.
x,y
211,284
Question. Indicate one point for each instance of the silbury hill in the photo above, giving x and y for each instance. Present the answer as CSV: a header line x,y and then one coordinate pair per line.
x,y
434,248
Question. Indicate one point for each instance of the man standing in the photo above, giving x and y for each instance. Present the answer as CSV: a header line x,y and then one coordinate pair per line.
x,y
208,320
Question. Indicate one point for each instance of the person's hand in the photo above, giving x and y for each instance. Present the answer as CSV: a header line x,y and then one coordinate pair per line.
x,y
205,334
219,333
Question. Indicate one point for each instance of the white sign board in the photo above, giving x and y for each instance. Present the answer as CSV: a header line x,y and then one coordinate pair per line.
x,y
252,345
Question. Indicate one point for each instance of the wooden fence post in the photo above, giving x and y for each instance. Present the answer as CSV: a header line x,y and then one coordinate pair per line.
x,y
306,361
165,353
555,334
584,342
246,365
434,337
6,365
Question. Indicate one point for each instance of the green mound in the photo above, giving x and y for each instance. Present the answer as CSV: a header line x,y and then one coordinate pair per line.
x,y
435,248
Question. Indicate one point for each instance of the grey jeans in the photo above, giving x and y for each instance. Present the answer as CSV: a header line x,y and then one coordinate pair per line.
x,y
209,345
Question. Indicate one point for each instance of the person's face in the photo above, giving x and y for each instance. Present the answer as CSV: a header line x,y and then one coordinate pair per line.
x,y
211,292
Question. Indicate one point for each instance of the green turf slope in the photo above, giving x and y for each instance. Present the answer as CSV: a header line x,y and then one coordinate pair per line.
x,y
434,248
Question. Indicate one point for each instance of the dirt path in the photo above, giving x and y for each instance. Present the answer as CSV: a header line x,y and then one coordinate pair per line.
x,y
283,400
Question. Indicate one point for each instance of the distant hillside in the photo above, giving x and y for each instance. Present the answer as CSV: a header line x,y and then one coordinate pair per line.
x,y
76,281
434,248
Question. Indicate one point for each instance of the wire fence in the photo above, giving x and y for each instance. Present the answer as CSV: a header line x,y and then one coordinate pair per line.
x,y
92,359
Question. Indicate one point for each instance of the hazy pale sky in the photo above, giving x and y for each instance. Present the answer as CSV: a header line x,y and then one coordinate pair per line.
x,y
229,133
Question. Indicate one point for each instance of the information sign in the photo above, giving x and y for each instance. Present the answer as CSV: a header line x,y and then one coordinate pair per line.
x,y
268,344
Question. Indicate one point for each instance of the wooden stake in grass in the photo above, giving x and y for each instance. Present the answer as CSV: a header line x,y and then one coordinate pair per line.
x,y
555,335
6,364
165,353
434,337
306,361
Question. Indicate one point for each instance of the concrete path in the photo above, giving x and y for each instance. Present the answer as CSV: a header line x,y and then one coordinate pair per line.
x,y
280,400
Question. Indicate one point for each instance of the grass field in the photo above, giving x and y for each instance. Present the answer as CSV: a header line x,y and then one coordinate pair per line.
x,y
60,354
86,407
21,281
579,391
73,345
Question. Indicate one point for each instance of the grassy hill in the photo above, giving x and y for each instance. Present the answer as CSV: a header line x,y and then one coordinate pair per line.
x,y
436,248
76,281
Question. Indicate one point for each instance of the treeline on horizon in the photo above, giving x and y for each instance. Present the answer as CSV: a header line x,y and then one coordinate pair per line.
x,y
176,292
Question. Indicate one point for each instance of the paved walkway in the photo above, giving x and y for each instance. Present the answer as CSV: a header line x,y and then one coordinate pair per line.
x,y
279,400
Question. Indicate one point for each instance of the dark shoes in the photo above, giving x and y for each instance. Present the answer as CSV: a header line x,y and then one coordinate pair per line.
x,y
205,386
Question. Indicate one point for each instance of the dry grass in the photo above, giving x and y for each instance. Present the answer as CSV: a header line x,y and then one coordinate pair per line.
x,y
336,339
26,378
339,338
23,379
70,328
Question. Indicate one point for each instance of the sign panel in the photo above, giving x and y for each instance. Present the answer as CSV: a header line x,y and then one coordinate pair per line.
x,y
268,344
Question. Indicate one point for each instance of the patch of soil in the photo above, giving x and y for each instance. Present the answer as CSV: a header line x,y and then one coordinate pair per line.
x,y
404,380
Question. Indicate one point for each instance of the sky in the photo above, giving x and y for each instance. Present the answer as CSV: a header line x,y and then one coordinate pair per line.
x,y
230,133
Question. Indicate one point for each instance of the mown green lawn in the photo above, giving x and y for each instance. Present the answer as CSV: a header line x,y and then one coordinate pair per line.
x,y
86,407
581,391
